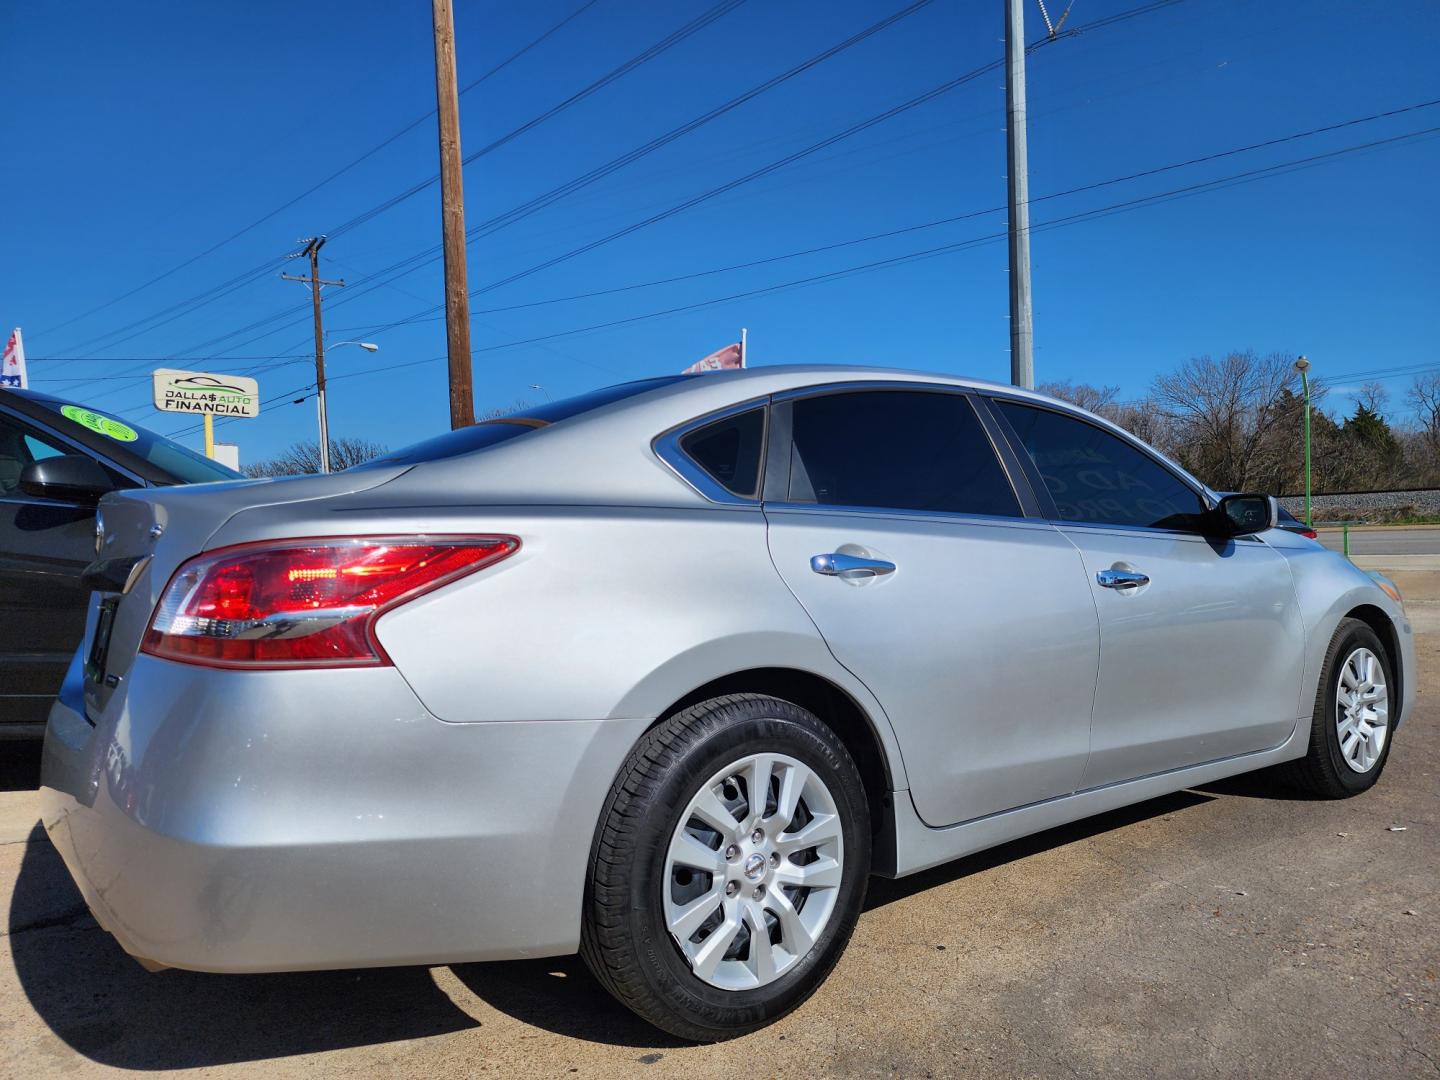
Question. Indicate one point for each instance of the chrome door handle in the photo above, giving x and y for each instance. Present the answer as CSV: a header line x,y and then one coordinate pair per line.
x,y
834,563
1121,579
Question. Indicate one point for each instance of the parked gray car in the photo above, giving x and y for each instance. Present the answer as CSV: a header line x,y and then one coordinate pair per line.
x,y
663,673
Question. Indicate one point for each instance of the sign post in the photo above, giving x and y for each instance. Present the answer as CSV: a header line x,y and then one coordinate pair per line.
x,y
208,395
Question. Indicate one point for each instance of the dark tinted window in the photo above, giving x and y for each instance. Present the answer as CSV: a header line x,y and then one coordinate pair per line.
x,y
1095,476
897,449
17,449
182,464
489,432
729,450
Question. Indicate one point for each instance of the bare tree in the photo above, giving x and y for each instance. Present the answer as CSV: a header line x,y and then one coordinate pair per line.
x,y
1093,398
304,457
1374,397
1226,415
1424,398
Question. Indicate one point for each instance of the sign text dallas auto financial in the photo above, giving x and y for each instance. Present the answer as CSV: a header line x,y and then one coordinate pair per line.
x,y
197,392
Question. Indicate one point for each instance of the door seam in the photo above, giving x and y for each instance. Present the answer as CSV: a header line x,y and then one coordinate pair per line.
x,y
899,750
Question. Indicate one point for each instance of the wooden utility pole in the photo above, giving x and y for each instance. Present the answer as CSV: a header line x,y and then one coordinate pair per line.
x,y
312,249
1022,360
452,199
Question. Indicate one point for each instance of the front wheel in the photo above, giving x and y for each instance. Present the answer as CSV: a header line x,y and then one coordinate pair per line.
x,y
729,868
1351,728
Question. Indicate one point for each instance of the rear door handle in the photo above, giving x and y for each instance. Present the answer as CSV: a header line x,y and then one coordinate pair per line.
x,y
835,563
1121,579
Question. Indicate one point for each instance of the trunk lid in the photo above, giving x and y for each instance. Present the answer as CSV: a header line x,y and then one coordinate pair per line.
x,y
144,534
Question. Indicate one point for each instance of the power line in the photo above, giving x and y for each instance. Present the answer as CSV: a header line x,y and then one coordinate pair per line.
x,y
666,43
669,41
183,307
157,359
1265,144
415,261
945,249
333,176
905,106
791,158
696,200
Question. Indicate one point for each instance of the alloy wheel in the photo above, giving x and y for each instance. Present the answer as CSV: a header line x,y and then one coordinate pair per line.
x,y
1362,710
753,871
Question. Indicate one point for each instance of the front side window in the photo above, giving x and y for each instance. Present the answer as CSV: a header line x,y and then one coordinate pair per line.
x,y
896,449
729,451
17,449
1098,477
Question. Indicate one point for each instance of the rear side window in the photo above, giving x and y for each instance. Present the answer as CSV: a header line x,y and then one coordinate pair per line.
x,y
1095,476
896,449
729,450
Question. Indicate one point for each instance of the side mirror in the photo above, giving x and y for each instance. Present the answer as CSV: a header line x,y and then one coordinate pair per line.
x,y
1240,515
67,477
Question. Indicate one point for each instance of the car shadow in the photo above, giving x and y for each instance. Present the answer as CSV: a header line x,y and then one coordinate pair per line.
x,y
106,1007
1260,785
560,996
888,890
20,764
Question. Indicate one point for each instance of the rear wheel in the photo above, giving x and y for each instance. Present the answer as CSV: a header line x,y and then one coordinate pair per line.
x,y
729,868
1351,728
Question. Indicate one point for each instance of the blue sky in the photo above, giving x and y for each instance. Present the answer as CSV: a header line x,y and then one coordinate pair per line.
x,y
138,136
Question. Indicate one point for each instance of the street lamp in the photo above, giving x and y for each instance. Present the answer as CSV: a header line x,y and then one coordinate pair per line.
x,y
368,346
1302,365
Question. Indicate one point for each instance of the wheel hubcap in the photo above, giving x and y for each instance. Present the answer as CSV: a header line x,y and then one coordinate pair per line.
x,y
1362,710
753,871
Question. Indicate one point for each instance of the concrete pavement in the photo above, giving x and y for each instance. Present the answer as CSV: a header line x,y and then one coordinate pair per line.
x,y
1239,930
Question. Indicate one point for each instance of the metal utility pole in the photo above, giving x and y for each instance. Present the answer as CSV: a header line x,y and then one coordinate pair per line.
x,y
1302,365
452,199
1022,359
312,249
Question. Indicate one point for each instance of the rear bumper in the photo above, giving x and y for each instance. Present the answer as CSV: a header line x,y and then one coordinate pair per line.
x,y
276,821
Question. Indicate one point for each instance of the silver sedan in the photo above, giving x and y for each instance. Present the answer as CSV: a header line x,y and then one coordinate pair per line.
x,y
665,672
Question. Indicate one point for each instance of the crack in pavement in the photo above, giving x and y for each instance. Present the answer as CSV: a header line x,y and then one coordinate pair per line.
x,y
68,918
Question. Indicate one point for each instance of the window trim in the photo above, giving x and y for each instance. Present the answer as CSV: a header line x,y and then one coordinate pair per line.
x,y
666,447
777,478
1050,511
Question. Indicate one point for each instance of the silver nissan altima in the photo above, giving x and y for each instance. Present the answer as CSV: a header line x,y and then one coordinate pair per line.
x,y
663,673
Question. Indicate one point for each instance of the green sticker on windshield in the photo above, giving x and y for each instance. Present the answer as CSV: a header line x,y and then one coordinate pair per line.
x,y
95,422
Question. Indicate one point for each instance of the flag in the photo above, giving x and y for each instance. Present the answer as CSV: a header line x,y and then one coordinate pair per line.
x,y
12,372
731,356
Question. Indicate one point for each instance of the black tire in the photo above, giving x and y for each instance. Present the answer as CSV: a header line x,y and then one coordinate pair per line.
x,y
624,937
1323,770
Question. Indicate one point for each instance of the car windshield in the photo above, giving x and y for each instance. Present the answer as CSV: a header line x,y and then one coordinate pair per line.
x,y
186,466
500,429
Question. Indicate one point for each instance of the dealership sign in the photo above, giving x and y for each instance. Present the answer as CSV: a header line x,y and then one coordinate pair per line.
x,y
211,395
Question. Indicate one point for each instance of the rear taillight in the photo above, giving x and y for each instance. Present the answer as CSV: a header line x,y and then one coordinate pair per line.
x,y
303,603
1311,533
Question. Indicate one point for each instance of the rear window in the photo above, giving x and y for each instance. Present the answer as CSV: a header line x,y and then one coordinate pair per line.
x,y
491,432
